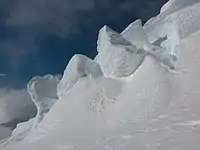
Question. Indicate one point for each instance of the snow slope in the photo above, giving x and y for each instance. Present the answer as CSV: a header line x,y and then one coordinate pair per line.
x,y
150,107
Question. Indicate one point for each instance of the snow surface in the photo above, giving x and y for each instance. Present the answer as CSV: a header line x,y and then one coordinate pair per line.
x,y
148,107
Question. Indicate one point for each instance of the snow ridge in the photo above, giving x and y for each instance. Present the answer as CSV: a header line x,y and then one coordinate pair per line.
x,y
138,93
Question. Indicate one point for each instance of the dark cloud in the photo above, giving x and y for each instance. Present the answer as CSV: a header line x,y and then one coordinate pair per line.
x,y
40,36
15,104
17,44
62,17
56,16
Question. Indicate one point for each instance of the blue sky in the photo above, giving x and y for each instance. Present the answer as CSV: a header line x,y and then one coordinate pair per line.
x,y
39,37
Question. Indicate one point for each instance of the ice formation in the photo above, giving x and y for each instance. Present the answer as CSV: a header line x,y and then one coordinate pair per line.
x,y
135,34
125,98
43,92
78,67
117,56
176,26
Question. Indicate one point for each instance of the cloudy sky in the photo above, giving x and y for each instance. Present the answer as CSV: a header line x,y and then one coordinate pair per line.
x,y
39,37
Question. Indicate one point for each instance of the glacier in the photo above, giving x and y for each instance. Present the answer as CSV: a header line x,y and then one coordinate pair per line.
x,y
140,92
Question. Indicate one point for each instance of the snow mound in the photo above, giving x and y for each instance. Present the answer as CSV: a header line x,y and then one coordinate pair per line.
x,y
117,56
146,94
78,67
125,98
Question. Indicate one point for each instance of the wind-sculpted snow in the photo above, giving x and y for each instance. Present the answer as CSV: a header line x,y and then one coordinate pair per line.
x,y
78,67
135,34
146,94
117,56
176,26
174,5
13,104
43,92
149,107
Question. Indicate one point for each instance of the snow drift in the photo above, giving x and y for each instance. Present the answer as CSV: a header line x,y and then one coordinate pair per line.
x,y
140,92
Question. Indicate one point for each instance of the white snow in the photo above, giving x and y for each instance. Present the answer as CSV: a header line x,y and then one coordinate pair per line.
x,y
43,92
176,26
112,104
135,34
117,56
78,67
174,5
